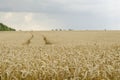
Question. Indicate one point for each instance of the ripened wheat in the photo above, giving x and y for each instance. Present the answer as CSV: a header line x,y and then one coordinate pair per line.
x,y
72,55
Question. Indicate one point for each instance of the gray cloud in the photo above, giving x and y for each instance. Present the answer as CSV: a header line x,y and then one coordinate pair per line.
x,y
52,6
77,14
30,6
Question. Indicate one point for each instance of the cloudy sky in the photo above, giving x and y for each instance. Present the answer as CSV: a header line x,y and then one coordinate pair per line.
x,y
64,14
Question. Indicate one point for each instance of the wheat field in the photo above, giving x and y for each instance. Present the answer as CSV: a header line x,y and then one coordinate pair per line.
x,y
60,55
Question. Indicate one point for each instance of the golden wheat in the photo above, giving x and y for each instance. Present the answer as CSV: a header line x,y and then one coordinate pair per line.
x,y
74,55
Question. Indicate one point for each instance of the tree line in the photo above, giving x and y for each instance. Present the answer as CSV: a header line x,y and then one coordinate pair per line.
x,y
5,28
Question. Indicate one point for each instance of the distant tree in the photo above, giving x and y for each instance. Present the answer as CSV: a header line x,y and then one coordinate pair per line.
x,y
20,30
5,28
105,30
56,29
70,29
60,29
52,30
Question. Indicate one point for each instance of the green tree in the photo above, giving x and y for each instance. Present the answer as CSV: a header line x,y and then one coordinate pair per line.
x,y
5,28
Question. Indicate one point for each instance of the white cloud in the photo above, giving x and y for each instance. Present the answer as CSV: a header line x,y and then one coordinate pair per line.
x,y
8,15
28,17
28,21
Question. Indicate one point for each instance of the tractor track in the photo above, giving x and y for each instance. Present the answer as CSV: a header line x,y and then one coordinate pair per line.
x,y
47,42
45,39
28,42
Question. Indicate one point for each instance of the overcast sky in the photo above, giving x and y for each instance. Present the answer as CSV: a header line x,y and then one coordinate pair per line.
x,y
64,14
